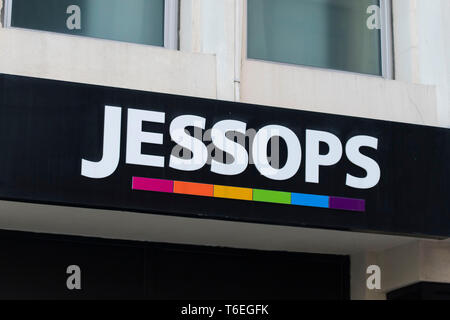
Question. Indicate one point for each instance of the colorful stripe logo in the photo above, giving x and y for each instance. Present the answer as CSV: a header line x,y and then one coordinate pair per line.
x,y
248,194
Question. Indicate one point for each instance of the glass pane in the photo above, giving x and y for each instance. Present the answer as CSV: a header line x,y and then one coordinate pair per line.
x,y
139,21
335,34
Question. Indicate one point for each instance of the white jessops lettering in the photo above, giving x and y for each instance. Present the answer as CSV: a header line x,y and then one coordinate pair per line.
x,y
198,148
313,157
224,142
353,154
111,147
237,151
136,137
259,151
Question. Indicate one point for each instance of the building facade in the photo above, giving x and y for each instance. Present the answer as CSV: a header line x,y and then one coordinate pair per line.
x,y
378,60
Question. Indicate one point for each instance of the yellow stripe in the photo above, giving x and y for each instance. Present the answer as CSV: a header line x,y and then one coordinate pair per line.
x,y
233,193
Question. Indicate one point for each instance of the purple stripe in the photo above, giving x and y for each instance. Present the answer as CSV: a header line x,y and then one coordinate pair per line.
x,y
157,185
348,204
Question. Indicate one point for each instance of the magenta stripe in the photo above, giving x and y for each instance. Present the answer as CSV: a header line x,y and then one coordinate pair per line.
x,y
157,185
347,204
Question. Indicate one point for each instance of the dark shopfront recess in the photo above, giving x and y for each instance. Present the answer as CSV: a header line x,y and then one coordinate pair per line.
x,y
33,266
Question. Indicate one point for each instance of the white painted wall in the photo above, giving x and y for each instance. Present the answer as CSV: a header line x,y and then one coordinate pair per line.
x,y
435,261
208,27
444,16
422,48
359,263
1,13
401,266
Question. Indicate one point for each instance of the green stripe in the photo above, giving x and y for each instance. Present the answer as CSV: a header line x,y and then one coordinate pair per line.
x,y
271,196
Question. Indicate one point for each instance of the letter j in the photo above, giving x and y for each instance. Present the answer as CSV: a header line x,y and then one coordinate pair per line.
x,y
111,147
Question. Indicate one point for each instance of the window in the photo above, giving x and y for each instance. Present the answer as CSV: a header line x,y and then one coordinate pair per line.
x,y
151,22
348,35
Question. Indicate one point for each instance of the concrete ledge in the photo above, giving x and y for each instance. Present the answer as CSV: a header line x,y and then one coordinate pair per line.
x,y
170,229
337,92
109,63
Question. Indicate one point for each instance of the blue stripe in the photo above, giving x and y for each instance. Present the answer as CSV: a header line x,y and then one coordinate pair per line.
x,y
310,200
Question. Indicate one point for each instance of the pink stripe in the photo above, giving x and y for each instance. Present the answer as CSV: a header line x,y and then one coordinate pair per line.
x,y
157,185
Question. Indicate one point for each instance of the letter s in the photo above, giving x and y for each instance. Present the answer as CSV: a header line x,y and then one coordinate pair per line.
x,y
198,148
368,164
237,151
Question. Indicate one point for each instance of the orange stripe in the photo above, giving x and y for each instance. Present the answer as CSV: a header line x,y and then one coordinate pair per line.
x,y
195,189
